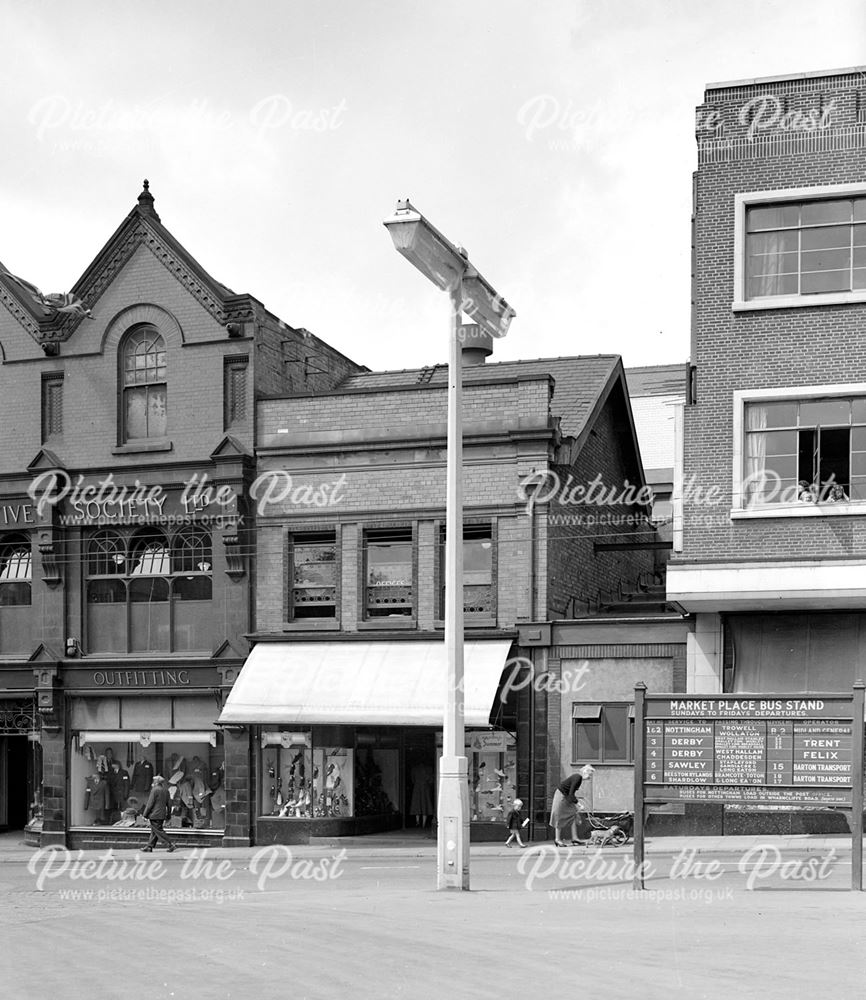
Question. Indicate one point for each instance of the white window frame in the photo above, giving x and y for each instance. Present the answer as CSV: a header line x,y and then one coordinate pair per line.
x,y
803,392
752,198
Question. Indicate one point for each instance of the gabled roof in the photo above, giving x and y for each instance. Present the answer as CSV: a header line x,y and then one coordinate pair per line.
x,y
581,383
141,227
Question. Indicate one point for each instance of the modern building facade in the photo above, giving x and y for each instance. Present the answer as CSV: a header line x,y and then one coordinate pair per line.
x,y
343,692
126,537
773,560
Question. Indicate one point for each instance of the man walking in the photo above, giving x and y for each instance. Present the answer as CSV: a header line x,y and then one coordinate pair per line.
x,y
156,811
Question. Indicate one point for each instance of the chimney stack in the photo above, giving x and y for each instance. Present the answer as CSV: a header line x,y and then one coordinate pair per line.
x,y
477,345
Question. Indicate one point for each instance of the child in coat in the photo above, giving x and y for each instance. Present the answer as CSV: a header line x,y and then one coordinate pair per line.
x,y
515,823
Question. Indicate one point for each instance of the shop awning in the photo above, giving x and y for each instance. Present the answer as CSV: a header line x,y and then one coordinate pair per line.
x,y
362,683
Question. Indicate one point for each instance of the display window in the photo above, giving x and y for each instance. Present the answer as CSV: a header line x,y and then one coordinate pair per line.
x,y
111,770
333,781
286,775
492,774
304,775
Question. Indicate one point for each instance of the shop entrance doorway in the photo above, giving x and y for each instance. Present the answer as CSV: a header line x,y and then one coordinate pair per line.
x,y
14,782
419,798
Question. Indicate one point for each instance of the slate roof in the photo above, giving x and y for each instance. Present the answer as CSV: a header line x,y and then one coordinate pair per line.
x,y
657,380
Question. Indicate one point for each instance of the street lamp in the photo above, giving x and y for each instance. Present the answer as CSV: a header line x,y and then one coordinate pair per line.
x,y
449,268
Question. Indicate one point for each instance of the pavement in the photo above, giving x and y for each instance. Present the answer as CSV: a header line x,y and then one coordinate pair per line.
x,y
12,846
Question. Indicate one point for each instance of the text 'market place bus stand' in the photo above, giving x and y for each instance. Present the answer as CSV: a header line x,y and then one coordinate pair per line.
x,y
750,749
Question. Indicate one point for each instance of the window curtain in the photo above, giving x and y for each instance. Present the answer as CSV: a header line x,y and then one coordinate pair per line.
x,y
756,450
771,248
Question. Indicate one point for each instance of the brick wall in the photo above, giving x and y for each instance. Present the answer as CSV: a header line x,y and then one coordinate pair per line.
x,y
575,569
766,348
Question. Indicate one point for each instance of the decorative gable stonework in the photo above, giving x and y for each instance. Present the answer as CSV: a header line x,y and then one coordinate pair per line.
x,y
142,228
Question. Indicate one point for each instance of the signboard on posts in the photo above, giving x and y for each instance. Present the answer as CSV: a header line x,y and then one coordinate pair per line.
x,y
759,749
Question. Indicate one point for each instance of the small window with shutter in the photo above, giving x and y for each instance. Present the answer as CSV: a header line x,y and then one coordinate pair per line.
x,y
235,391
52,405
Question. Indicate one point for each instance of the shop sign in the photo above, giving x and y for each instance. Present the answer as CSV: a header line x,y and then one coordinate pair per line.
x,y
140,678
89,501
16,514
481,741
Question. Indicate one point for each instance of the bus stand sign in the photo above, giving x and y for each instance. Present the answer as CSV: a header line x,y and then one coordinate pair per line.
x,y
759,749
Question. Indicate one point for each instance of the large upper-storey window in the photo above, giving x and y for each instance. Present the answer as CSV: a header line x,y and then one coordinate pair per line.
x,y
478,590
143,374
800,247
389,574
16,627
313,584
807,247
801,449
147,592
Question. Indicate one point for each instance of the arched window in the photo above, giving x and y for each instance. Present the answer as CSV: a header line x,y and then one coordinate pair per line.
x,y
149,555
143,373
15,570
191,551
106,554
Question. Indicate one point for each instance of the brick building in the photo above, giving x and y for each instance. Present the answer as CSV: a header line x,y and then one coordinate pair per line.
x,y
343,690
126,577
773,560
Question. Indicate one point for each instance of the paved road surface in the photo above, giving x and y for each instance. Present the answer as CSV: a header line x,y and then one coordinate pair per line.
x,y
321,925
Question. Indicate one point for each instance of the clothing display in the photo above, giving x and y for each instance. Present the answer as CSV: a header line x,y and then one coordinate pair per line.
x,y
142,776
113,792
118,782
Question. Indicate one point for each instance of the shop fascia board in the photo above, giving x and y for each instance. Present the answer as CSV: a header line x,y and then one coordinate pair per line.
x,y
770,586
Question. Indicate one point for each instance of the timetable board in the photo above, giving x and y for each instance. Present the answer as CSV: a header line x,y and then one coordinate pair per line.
x,y
778,750
729,749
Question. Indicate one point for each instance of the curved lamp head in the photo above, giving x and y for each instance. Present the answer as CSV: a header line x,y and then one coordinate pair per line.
x,y
445,265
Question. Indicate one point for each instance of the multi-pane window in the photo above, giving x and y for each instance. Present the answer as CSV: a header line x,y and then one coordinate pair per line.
x,y
478,594
16,624
149,592
15,570
806,247
313,560
144,385
389,570
805,451
52,404
603,732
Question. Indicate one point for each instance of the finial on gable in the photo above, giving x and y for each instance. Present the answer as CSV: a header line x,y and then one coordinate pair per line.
x,y
145,201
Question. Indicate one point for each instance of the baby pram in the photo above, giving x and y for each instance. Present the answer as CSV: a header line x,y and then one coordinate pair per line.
x,y
610,831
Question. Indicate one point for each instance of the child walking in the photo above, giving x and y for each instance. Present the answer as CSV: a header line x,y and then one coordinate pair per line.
x,y
515,823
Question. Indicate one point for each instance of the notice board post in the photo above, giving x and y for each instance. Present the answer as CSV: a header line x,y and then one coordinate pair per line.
x,y
857,790
639,750
750,749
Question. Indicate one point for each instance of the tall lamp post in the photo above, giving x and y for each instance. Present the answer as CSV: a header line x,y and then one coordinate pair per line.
x,y
449,268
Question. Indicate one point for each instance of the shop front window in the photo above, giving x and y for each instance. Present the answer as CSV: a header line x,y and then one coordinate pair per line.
x,y
148,592
300,780
119,745
492,773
